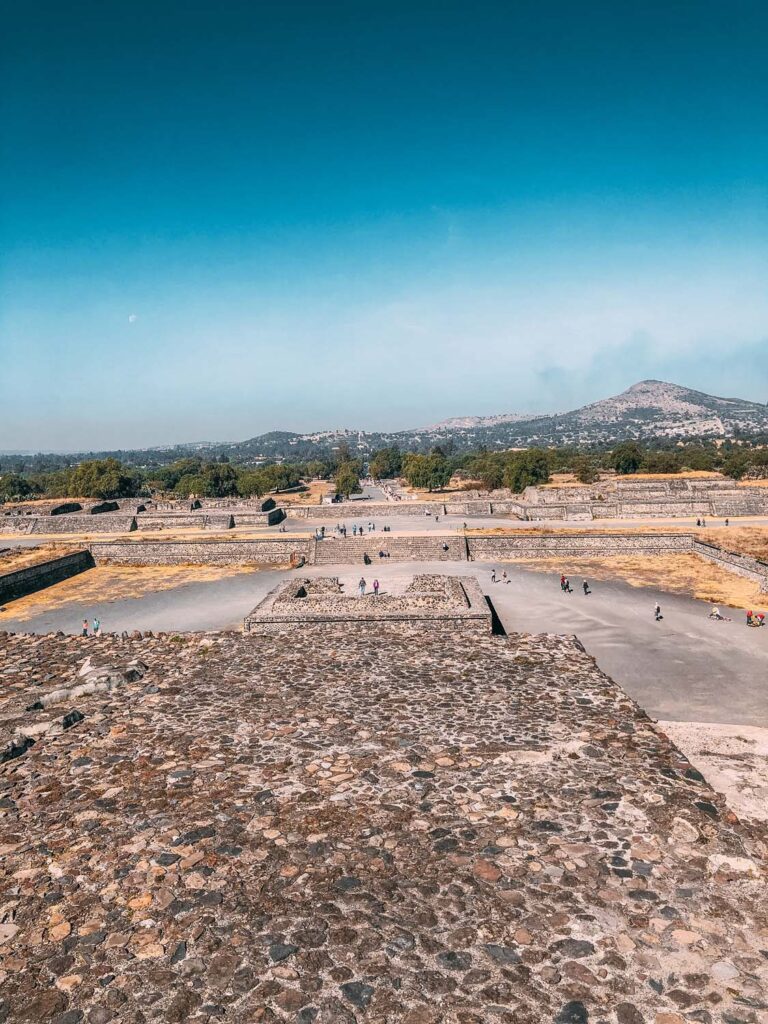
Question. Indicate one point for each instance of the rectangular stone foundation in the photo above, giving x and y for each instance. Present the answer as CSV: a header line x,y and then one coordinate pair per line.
x,y
430,603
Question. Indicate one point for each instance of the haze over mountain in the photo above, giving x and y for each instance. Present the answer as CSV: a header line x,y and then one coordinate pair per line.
x,y
650,410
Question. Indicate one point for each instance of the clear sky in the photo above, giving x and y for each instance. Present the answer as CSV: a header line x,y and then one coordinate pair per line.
x,y
222,218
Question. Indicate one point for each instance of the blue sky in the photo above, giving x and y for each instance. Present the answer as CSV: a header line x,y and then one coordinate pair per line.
x,y
221,219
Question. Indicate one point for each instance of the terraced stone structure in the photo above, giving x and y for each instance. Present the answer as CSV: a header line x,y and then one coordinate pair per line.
x,y
429,602
360,828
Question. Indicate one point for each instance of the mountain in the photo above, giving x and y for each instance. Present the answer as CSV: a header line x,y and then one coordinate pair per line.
x,y
649,411
473,422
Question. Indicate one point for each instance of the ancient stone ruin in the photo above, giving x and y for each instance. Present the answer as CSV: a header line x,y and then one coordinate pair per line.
x,y
352,827
429,602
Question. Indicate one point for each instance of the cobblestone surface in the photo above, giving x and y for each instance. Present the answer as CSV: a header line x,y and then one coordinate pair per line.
x,y
346,829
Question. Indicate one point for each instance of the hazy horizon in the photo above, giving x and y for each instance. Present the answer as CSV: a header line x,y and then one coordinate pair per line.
x,y
221,220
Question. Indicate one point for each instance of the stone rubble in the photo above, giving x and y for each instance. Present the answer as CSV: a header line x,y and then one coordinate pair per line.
x,y
374,827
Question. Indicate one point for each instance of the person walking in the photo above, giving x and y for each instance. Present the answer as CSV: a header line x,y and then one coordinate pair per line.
x,y
493,575
726,522
96,627
567,586
562,581
586,589
85,628
504,577
375,588
657,612
361,586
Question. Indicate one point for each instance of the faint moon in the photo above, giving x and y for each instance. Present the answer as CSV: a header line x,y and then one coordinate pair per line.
x,y
132,318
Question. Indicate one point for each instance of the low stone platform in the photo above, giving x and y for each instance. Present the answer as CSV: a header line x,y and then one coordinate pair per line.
x,y
429,602
360,828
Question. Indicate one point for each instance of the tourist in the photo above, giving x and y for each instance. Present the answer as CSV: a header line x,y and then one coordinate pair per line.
x,y
375,588
567,586
493,576
437,518
354,531
504,577
361,586
657,612
586,589
85,628
96,627
715,613
698,522
727,523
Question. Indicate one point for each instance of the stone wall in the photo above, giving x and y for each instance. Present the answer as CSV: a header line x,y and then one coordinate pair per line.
x,y
199,552
365,511
104,506
430,602
412,549
32,578
742,565
65,508
72,523
595,545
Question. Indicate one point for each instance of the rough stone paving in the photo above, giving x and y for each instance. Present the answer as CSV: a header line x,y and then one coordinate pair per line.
x,y
374,828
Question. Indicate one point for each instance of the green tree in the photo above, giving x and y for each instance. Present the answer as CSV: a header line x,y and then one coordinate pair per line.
x,y
250,483
489,470
386,463
736,465
585,470
102,478
661,462
348,480
526,469
627,457
430,472
13,485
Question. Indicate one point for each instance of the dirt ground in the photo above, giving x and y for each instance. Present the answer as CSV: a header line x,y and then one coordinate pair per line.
x,y
107,583
676,574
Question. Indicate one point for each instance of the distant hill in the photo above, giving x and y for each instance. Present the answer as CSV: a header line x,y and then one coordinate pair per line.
x,y
651,410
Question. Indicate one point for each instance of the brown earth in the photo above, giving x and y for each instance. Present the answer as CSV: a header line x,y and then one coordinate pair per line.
x,y
108,583
676,574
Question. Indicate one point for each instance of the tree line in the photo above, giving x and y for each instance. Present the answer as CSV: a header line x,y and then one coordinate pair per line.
x,y
216,478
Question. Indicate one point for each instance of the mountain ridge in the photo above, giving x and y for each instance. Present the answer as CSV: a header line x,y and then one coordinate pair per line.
x,y
649,410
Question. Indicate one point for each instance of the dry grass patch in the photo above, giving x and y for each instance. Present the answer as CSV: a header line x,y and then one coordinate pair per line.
x,y
22,558
312,494
108,583
675,574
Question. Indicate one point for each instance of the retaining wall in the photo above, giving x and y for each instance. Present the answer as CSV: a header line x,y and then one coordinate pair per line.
x,y
485,549
199,552
409,549
742,565
71,523
32,578
364,511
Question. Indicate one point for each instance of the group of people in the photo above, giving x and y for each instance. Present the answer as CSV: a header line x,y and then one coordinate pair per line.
x,y
96,626
755,618
565,585
357,531
361,586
